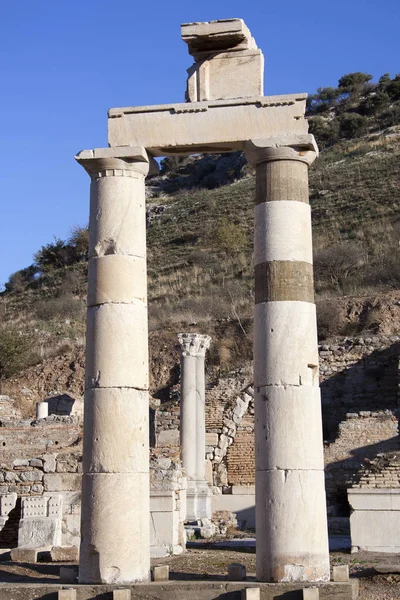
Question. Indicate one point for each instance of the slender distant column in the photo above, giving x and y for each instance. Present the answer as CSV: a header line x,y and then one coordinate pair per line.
x,y
115,532
291,521
188,422
203,345
193,425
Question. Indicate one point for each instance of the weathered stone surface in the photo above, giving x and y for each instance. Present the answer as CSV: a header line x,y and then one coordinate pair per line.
x,y
122,536
161,573
118,356
58,482
227,75
210,126
340,573
122,594
283,518
116,425
283,441
285,348
236,572
250,593
64,554
167,438
117,278
311,593
67,594
214,36
24,555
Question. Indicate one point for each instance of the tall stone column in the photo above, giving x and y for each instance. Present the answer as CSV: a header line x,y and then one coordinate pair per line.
x,y
291,521
115,531
193,423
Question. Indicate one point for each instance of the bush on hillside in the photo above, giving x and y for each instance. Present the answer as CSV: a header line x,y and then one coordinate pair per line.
x,y
336,266
228,236
19,280
352,125
16,345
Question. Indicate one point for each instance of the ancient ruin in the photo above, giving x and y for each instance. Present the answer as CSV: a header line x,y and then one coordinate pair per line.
x,y
241,452
193,425
225,111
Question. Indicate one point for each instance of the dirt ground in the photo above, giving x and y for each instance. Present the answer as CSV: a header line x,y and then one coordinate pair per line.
x,y
212,564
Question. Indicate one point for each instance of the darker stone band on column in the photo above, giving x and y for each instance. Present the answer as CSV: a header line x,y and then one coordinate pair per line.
x,y
284,280
282,180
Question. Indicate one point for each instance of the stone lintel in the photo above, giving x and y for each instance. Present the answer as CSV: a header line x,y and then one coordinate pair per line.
x,y
194,344
209,126
117,157
302,147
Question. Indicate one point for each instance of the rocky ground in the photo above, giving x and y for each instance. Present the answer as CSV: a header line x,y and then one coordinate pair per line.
x,y
197,564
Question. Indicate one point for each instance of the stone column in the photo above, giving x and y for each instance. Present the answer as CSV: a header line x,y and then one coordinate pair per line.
x,y
193,425
115,532
291,521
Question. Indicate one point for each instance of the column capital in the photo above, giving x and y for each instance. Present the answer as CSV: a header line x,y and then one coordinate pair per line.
x,y
302,148
194,344
117,161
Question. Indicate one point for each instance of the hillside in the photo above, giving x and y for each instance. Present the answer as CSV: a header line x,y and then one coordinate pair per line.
x,y
199,235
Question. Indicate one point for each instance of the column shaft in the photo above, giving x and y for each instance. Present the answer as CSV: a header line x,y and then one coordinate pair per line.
x,y
115,531
188,417
291,523
193,424
200,419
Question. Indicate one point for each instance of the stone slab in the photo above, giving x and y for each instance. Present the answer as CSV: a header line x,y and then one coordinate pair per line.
x,y
24,555
39,532
374,499
161,573
67,594
64,554
243,505
376,530
251,594
211,126
340,573
192,590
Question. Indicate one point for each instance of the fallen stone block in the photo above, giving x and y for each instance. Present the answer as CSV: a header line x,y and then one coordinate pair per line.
x,y
387,568
24,555
123,594
68,574
67,594
251,594
64,554
161,573
340,573
311,593
236,572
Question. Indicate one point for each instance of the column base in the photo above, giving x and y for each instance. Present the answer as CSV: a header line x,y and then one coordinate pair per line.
x,y
198,501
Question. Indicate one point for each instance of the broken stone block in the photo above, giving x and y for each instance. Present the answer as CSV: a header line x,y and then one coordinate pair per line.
x,y
236,572
64,554
24,555
251,593
67,594
161,573
340,573
228,62
123,594
40,525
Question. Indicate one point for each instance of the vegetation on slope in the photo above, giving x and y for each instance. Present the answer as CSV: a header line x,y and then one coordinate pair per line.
x,y
200,227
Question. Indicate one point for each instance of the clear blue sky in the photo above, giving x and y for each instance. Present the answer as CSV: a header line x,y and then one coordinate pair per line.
x,y
65,62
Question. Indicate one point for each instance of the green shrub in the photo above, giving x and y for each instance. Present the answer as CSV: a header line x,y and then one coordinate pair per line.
x,y
352,125
228,236
16,345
